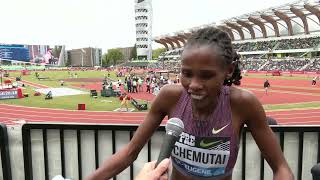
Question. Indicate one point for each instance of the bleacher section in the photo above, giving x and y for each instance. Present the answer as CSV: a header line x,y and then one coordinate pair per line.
x,y
285,65
252,64
171,55
279,44
314,66
299,43
264,54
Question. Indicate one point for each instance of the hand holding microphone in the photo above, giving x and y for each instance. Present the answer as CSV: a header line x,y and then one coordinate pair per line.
x,y
156,170
149,172
174,128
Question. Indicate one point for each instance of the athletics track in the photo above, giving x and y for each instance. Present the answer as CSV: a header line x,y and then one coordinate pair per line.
x,y
282,91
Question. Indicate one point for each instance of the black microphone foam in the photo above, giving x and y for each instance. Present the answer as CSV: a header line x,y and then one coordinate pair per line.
x,y
174,128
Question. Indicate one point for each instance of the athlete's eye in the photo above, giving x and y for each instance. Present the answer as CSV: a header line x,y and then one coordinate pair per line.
x,y
206,75
186,73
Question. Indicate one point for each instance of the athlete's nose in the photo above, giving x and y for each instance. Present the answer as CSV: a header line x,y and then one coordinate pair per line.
x,y
195,84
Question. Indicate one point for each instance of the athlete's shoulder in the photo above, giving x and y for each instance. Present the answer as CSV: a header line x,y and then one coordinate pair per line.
x,y
171,90
241,97
168,96
244,102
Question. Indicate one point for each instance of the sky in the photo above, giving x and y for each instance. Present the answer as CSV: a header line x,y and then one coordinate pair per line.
x,y
109,24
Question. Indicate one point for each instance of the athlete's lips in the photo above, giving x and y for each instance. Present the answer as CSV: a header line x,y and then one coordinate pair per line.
x,y
197,96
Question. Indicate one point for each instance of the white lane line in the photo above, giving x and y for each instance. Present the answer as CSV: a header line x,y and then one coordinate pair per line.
x,y
106,114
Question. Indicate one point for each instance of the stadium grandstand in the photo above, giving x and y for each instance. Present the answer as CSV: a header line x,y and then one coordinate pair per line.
x,y
284,38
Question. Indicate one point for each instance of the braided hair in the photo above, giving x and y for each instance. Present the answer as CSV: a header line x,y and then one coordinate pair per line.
x,y
217,38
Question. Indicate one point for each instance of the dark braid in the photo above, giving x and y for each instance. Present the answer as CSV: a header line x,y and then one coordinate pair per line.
x,y
217,38
236,75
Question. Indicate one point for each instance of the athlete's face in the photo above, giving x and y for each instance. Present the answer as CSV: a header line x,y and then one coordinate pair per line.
x,y
203,72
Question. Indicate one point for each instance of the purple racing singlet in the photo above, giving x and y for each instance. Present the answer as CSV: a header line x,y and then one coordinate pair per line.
x,y
206,149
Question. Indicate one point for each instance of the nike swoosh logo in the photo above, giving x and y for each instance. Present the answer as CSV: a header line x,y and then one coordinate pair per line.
x,y
218,130
205,145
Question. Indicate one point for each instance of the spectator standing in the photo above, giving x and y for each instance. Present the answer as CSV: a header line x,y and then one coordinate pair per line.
x,y
314,80
134,85
129,85
148,86
153,85
140,81
266,86
156,90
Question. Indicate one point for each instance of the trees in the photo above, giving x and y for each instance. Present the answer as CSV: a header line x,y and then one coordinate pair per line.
x,y
113,57
105,60
157,52
56,51
134,52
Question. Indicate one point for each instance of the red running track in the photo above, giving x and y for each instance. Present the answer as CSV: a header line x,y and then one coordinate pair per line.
x,y
11,114
17,114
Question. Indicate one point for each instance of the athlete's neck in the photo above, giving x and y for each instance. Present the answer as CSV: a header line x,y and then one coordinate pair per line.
x,y
202,113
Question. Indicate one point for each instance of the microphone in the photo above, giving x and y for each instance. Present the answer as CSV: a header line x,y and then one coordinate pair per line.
x,y
174,128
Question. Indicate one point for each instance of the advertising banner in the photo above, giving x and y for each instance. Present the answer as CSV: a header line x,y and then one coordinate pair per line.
x,y
9,94
42,54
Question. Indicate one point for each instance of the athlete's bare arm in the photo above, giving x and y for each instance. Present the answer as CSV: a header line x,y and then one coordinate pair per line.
x,y
123,158
250,109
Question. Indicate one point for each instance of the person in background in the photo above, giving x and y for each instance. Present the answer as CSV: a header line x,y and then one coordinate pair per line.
x,y
266,86
129,85
177,78
148,84
271,121
134,85
140,83
124,102
156,90
119,82
314,80
61,82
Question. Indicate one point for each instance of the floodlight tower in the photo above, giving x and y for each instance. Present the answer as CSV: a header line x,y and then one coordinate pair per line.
x,y
143,22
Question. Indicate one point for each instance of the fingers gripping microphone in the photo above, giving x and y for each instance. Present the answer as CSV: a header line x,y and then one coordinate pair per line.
x,y
174,128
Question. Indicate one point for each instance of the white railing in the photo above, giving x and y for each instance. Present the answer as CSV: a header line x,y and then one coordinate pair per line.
x,y
41,151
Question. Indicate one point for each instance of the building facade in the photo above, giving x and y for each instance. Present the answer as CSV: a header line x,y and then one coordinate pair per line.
x,y
143,22
85,57
127,53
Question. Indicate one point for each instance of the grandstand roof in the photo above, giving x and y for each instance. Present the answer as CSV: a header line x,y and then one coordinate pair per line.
x,y
300,17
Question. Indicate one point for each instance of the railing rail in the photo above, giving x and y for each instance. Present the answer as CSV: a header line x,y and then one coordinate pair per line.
x,y
75,150
5,157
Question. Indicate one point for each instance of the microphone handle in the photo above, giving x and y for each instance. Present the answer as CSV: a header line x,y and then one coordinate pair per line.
x,y
166,147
